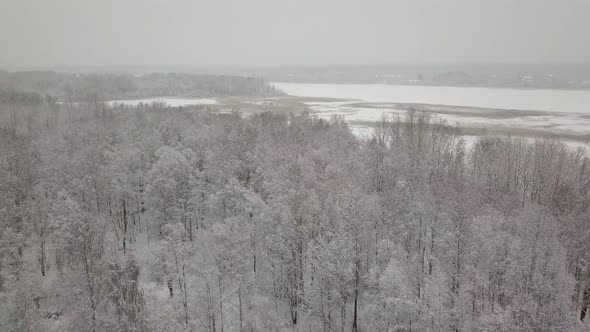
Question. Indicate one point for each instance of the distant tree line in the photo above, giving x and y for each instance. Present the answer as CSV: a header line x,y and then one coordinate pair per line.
x,y
11,96
93,87
537,76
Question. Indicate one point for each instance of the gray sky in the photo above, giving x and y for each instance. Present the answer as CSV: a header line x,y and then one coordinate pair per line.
x,y
291,32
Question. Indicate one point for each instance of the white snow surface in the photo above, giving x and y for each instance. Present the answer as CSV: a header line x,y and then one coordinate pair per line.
x,y
570,101
567,110
170,101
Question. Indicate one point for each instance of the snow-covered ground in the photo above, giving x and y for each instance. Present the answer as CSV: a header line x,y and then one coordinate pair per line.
x,y
560,112
170,101
564,122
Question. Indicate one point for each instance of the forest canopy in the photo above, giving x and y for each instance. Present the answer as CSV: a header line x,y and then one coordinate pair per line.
x,y
180,219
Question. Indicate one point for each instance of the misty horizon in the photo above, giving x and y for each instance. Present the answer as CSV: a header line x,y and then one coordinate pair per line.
x,y
276,34
192,67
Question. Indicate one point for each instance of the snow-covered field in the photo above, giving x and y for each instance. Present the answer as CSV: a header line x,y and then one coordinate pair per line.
x,y
170,101
560,112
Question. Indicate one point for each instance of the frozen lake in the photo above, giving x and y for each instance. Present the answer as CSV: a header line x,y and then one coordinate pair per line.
x,y
565,113
570,101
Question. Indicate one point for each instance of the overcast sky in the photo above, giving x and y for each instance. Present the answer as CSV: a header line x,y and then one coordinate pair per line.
x,y
291,32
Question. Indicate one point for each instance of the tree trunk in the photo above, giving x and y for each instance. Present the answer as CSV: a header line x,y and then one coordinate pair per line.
x,y
240,307
211,314
585,304
220,284
185,299
124,226
43,258
93,318
354,319
190,226
343,316
356,288
169,283
274,288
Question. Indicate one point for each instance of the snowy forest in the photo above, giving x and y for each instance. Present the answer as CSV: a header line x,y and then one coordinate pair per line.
x,y
92,87
153,218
